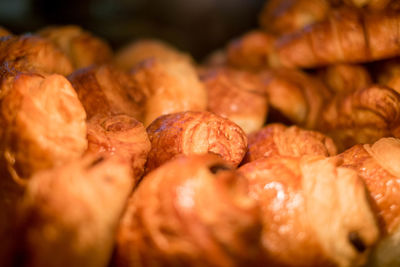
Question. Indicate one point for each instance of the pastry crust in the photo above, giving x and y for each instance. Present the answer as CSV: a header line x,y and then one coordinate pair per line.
x,y
314,212
250,51
170,87
69,215
106,90
192,211
230,93
119,136
378,165
30,53
285,16
138,51
81,47
345,78
42,123
297,95
279,140
194,133
363,116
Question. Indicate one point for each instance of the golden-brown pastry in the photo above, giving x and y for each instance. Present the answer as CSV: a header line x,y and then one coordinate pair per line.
x,y
284,16
69,215
169,86
4,32
192,211
347,36
121,136
315,213
364,116
370,4
107,90
81,47
296,95
237,95
135,52
33,54
250,51
387,72
345,78
378,165
279,140
42,123
194,133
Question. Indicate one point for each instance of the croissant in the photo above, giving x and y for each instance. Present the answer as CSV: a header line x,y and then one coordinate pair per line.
x,y
284,16
364,116
42,123
295,94
378,166
315,213
121,136
250,51
170,86
229,93
347,36
279,140
107,90
81,47
69,215
192,211
194,133
345,78
29,53
136,52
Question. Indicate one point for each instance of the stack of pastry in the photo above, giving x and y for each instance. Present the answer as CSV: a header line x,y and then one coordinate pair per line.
x,y
143,157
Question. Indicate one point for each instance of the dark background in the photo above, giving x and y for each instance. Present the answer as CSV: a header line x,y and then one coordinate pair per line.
x,y
197,26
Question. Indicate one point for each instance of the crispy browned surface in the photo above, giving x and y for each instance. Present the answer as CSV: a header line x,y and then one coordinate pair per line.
x,y
251,50
192,211
170,86
70,214
284,16
4,31
33,53
237,95
107,90
305,221
347,36
363,116
194,133
345,78
378,165
121,136
383,185
278,140
42,123
82,48
296,95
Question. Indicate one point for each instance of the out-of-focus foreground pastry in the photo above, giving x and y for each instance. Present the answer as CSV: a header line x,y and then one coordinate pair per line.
x,y
119,136
194,133
42,122
229,93
69,215
81,47
33,53
279,140
315,213
192,211
378,165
